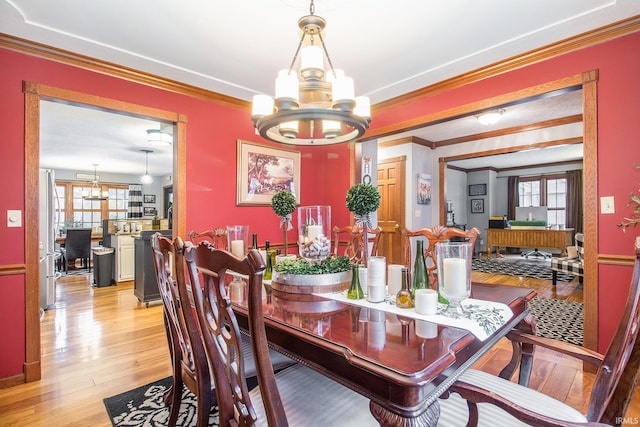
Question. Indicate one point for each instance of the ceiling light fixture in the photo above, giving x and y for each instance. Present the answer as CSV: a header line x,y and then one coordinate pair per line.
x,y
157,137
319,109
490,117
95,193
146,178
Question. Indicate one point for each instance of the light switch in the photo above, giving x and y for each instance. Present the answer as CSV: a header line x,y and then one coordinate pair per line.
x,y
418,213
14,218
607,205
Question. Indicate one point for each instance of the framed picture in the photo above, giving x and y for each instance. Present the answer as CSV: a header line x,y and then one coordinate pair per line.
x,y
477,205
478,190
150,212
149,198
424,189
263,171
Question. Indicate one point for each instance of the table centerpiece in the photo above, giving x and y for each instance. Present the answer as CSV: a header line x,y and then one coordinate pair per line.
x,y
303,277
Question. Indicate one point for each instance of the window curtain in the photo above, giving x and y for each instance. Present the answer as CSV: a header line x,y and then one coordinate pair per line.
x,y
135,201
575,204
512,196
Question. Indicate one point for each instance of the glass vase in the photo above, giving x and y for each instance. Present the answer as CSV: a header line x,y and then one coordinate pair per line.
x,y
314,232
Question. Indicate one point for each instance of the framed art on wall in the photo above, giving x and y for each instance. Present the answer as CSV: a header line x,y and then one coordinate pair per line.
x,y
424,189
149,198
478,189
150,212
263,171
477,205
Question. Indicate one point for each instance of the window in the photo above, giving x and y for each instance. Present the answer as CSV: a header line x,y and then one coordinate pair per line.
x,y
554,196
78,212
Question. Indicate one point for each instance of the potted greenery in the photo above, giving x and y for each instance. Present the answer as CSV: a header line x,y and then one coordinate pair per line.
x,y
303,277
283,204
362,199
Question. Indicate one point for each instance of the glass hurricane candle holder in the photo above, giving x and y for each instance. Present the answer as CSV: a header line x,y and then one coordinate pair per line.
x,y
238,240
314,232
454,274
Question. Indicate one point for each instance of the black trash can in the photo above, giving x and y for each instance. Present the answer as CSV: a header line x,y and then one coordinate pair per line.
x,y
103,266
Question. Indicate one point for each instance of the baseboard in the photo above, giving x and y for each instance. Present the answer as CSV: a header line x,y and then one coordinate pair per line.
x,y
12,381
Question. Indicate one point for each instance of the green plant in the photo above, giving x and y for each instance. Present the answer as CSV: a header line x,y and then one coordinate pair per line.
x,y
634,201
283,203
302,266
363,199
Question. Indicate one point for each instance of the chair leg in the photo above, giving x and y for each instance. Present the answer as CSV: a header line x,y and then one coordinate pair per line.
x,y
554,277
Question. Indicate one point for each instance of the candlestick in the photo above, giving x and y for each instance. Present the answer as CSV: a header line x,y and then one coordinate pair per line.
x,y
455,277
237,248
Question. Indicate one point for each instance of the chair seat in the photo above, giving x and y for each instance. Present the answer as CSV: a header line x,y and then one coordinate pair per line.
x,y
568,265
278,360
312,399
454,411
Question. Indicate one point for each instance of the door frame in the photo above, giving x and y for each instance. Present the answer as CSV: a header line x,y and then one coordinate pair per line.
x,y
34,93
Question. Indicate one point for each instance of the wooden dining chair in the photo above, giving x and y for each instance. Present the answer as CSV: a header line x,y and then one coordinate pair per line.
x,y
491,400
434,235
217,237
354,241
296,395
188,356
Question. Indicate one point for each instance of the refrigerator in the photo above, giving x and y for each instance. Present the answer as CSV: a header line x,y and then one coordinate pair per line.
x,y
47,235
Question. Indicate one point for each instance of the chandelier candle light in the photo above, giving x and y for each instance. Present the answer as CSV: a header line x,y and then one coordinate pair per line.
x,y
321,108
95,193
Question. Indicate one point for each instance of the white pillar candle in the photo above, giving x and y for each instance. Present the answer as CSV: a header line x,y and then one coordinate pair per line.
x,y
394,278
313,231
426,302
236,289
237,248
376,279
455,277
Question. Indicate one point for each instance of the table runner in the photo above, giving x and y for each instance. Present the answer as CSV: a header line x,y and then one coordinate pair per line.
x,y
481,318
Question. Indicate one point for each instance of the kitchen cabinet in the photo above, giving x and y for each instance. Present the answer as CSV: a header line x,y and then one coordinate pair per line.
x,y
145,286
125,257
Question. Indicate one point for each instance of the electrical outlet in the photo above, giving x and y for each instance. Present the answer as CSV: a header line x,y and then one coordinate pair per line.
x,y
607,205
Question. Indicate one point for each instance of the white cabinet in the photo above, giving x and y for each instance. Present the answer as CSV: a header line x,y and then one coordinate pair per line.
x,y
125,257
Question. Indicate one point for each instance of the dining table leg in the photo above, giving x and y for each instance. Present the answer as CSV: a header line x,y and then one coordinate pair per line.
x,y
386,418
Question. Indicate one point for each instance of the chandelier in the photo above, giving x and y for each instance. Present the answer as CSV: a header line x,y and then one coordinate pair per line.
x,y
95,193
318,109
146,178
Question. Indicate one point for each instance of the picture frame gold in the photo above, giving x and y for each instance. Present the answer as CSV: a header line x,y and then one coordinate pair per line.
x,y
263,170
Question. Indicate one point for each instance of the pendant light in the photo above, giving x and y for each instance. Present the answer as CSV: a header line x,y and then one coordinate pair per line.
x,y
146,178
95,193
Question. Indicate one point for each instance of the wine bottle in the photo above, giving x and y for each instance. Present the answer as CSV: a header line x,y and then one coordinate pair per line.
x,y
420,277
254,244
355,290
268,271
403,297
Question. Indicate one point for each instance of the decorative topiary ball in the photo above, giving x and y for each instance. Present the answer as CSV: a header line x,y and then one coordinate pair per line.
x,y
363,199
283,203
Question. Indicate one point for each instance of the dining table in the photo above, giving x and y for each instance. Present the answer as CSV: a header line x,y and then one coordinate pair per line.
x,y
401,364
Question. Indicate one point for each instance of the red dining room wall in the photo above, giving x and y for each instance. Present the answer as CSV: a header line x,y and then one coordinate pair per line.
x,y
212,132
618,64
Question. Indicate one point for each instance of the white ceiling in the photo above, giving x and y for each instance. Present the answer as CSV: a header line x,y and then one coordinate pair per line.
x,y
237,47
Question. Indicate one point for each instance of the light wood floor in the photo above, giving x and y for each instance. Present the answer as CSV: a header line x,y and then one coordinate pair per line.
x,y
99,342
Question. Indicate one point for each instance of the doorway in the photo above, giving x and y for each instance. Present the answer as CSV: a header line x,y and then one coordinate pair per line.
x,y
34,93
391,186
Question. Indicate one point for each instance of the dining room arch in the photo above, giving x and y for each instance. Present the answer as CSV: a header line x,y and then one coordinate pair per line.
x,y
587,82
35,93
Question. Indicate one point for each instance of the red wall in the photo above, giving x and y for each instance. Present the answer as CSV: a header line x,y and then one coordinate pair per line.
x,y
212,131
618,62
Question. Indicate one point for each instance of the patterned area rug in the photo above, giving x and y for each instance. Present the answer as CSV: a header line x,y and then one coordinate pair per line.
x,y
558,319
144,407
518,268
